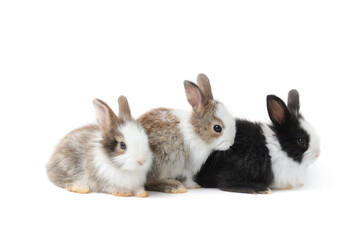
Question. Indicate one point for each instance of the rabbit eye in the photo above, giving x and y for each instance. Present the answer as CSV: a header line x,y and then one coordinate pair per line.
x,y
122,145
217,128
301,141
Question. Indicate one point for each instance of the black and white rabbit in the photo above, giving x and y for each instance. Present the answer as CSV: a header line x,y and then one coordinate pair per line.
x,y
265,156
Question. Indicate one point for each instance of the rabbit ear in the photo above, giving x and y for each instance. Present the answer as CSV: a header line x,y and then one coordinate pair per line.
x,y
204,85
194,94
124,109
278,112
105,117
294,102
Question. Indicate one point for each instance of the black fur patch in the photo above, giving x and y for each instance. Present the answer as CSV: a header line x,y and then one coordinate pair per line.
x,y
288,135
245,167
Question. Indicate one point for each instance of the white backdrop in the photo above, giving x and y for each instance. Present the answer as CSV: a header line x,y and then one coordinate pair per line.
x,y
56,56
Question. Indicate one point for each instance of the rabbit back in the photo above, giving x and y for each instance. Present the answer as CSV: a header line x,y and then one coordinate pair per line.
x,y
70,159
166,143
245,167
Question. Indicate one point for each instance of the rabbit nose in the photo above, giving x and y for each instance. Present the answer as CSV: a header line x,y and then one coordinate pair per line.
x,y
140,161
317,154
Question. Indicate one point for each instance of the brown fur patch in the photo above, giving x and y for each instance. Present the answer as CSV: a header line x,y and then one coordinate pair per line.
x,y
166,143
204,119
111,143
67,163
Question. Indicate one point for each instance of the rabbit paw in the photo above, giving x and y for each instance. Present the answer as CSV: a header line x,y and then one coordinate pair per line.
x,y
289,187
178,190
78,189
166,186
120,194
142,194
268,191
191,185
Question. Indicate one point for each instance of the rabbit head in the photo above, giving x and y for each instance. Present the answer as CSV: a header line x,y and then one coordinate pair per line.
x,y
124,140
210,119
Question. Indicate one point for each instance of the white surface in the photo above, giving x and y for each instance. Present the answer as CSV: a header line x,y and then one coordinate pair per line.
x,y
55,57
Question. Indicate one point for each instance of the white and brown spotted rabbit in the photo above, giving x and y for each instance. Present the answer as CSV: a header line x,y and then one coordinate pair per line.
x,y
111,157
181,141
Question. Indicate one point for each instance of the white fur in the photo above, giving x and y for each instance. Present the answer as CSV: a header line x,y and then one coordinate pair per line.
x,y
137,147
313,151
228,136
287,172
198,150
130,177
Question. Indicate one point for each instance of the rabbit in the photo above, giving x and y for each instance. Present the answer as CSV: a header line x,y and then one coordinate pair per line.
x,y
111,157
265,157
181,141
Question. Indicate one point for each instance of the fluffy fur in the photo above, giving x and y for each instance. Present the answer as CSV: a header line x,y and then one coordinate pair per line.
x,y
181,141
90,159
245,167
264,156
